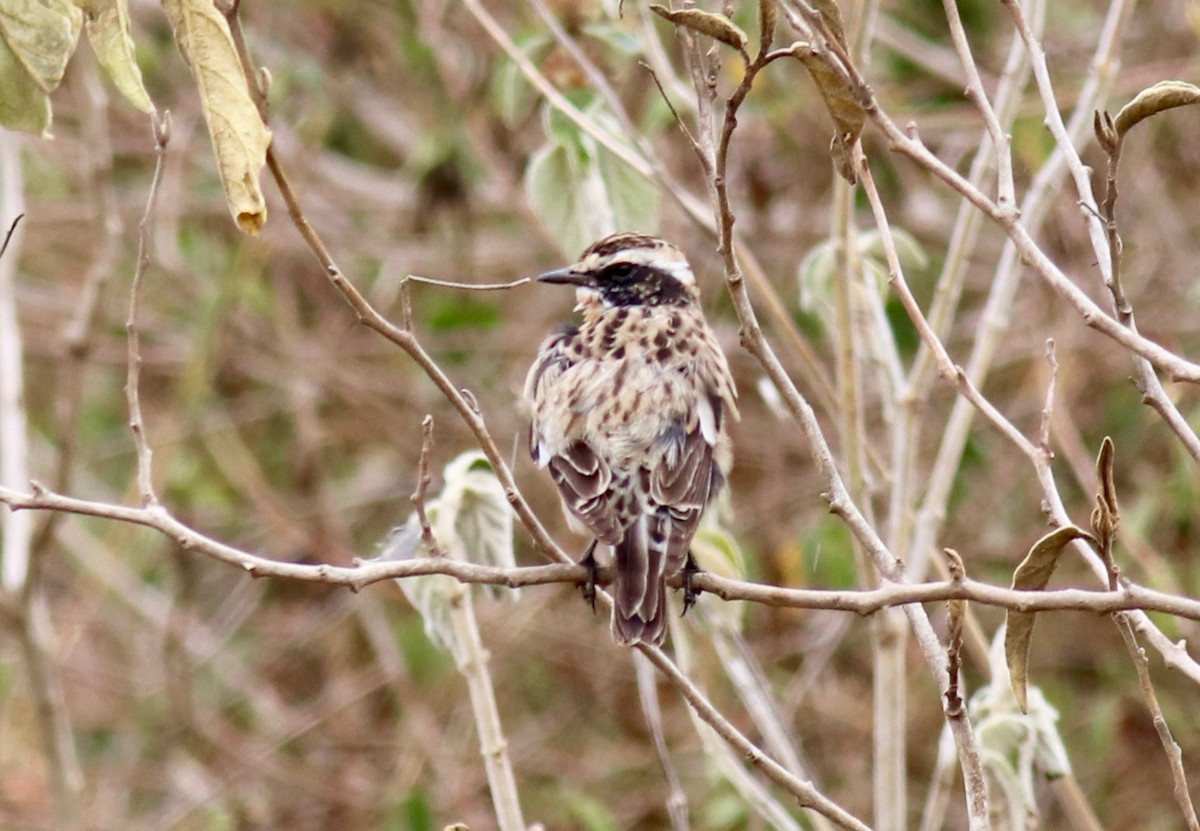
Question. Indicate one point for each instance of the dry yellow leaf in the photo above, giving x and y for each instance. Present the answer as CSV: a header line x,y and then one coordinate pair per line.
x,y
108,30
239,137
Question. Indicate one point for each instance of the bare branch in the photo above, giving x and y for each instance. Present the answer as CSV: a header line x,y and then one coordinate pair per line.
x,y
1170,746
1129,596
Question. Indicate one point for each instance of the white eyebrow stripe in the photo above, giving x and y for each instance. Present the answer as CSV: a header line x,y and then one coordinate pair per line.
x,y
679,269
671,262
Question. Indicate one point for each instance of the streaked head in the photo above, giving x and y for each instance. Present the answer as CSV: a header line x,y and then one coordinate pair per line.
x,y
631,269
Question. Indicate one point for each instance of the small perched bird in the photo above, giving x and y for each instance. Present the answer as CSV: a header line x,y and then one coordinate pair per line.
x,y
630,410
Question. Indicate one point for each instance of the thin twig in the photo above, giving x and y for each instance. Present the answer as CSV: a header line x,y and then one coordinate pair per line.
x,y
12,229
1144,377
909,143
965,235
609,142
1000,298
1079,172
402,337
677,803
450,284
804,792
679,122
1005,194
50,708
145,483
1048,407
954,637
423,478
946,366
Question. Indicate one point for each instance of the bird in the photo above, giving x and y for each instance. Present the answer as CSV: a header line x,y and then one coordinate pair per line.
x,y
629,414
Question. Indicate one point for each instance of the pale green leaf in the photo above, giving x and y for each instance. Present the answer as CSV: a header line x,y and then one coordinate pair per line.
x,y
514,94
581,191
562,131
633,199
717,552
550,186
36,41
108,30
619,38
911,253
815,277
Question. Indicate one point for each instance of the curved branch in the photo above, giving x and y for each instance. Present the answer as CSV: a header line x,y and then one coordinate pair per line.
x,y
862,602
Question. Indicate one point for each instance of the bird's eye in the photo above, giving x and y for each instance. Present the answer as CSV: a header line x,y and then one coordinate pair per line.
x,y
619,273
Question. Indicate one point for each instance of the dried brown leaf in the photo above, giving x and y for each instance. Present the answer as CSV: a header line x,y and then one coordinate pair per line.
x,y
715,26
239,137
1164,95
1107,515
848,116
1033,574
832,15
1106,136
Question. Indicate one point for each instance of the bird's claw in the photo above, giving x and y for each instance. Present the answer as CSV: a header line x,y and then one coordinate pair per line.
x,y
588,588
690,592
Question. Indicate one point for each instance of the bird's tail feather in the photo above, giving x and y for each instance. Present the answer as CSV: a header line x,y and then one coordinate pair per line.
x,y
640,589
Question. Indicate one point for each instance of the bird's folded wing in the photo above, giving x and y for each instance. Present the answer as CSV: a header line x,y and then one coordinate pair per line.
x,y
683,483
584,480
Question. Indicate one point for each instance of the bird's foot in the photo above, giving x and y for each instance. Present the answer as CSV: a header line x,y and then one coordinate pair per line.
x,y
690,592
588,588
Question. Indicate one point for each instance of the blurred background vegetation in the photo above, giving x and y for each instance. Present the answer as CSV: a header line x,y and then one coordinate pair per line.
x,y
200,698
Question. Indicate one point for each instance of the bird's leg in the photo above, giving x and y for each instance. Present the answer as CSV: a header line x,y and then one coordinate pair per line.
x,y
690,592
588,561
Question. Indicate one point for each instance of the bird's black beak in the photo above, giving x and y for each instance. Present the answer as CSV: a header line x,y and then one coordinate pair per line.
x,y
566,276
